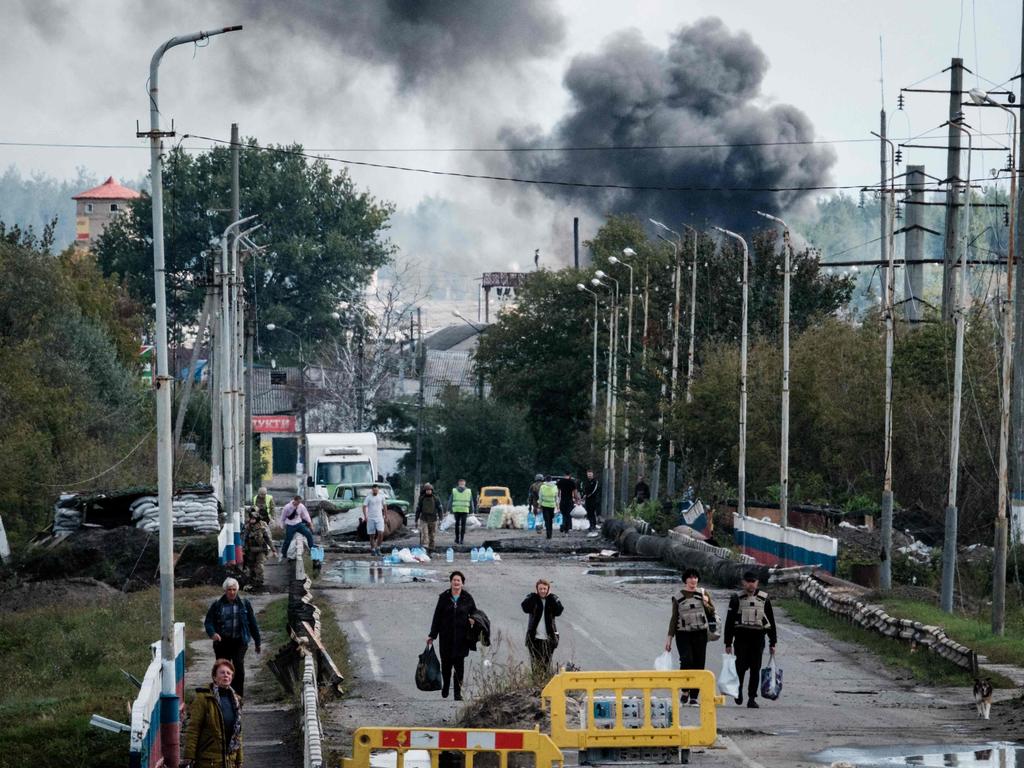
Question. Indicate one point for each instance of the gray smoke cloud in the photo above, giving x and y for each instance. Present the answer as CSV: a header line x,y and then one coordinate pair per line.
x,y
701,90
424,40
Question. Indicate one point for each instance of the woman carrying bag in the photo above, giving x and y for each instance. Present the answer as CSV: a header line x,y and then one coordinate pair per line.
x,y
451,623
693,622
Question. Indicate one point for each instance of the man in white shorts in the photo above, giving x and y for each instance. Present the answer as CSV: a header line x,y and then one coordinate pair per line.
x,y
373,514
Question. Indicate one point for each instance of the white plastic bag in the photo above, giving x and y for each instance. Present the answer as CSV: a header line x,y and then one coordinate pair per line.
x,y
447,522
579,511
664,662
728,679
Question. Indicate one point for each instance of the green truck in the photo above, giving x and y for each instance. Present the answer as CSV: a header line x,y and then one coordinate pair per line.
x,y
348,500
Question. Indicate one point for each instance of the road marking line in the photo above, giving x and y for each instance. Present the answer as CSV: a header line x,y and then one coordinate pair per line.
x,y
593,640
734,748
375,666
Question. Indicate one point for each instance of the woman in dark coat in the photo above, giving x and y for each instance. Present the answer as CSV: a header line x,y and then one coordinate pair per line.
x,y
543,606
451,623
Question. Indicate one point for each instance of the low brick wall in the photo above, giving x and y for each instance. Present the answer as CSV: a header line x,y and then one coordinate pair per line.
x,y
874,618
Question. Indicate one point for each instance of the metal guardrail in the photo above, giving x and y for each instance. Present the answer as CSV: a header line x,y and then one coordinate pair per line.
x,y
467,741
642,685
312,730
144,742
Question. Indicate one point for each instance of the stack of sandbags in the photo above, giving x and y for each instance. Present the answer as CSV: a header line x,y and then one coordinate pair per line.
x,y
67,514
189,510
511,516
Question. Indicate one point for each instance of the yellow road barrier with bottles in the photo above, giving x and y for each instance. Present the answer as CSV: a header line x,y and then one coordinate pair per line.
x,y
468,741
635,685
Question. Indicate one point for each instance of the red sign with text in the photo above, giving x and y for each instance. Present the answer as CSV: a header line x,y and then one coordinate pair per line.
x,y
273,423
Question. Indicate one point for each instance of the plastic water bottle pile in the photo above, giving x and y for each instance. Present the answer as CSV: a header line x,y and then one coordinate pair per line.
x,y
481,555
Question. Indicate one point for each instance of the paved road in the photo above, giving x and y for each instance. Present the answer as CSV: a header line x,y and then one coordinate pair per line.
x,y
834,695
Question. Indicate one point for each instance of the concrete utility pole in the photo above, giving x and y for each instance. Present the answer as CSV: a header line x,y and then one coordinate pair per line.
x,y
914,244
1016,460
179,419
613,377
888,190
741,482
170,728
784,445
607,496
1006,382
949,544
952,241
677,284
421,364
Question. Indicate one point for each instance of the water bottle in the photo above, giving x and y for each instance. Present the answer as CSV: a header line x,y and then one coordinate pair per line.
x,y
449,556
531,521
395,559
474,555
489,555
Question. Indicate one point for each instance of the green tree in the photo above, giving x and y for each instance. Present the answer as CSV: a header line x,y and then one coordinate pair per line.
x,y
483,441
324,238
71,408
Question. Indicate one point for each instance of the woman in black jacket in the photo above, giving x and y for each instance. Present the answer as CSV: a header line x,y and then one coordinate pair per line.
x,y
541,634
452,620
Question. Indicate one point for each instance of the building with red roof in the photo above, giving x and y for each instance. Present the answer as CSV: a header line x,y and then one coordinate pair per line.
x,y
96,208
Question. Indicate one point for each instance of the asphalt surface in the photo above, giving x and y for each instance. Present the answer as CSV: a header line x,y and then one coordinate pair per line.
x,y
835,694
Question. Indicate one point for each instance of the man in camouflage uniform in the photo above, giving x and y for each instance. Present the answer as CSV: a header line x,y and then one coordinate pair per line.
x,y
258,545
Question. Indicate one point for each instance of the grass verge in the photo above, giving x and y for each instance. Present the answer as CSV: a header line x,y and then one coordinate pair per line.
x,y
61,663
973,632
925,667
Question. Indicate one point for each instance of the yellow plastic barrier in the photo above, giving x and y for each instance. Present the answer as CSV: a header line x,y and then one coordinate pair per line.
x,y
469,741
595,736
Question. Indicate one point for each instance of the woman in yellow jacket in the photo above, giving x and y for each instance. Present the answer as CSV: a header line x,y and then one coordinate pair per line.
x,y
214,738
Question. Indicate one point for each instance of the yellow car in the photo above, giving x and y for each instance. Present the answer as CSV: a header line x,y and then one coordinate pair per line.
x,y
490,495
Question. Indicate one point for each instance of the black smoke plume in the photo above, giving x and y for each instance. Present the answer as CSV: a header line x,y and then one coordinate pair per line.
x,y
424,40
700,91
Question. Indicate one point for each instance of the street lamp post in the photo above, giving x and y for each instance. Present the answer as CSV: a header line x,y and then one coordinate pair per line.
x,y
606,494
950,536
784,448
629,252
741,504
169,724
677,281
593,378
693,319
612,416
304,453
1006,375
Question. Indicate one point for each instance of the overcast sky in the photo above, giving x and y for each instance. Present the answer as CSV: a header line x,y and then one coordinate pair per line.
x,y
388,75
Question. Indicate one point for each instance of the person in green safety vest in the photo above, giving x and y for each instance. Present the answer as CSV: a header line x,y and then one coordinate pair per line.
x,y
548,501
461,504
264,504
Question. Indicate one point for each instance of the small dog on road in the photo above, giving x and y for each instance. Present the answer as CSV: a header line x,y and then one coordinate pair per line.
x,y
983,696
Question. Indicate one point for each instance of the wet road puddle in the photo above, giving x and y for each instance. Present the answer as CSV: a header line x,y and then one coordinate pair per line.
x,y
998,754
361,573
638,573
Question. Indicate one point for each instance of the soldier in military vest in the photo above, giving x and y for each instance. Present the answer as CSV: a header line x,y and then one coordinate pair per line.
x,y
750,618
258,545
692,624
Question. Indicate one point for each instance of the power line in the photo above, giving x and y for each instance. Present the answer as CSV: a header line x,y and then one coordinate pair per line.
x,y
485,150
546,182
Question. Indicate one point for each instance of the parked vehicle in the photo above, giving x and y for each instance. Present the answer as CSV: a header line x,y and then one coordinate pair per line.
x,y
492,495
339,458
348,503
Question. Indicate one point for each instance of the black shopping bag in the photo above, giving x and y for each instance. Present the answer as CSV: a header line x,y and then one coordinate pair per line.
x,y
428,671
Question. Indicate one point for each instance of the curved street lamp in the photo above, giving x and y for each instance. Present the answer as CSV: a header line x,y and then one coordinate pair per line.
x,y
741,504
